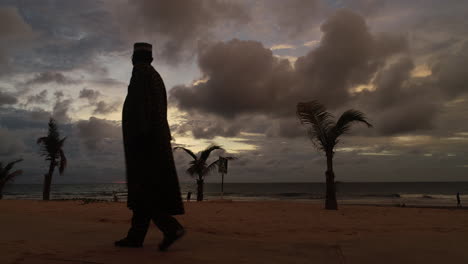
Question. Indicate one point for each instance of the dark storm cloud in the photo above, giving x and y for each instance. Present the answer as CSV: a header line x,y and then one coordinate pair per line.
x,y
7,99
296,17
95,132
40,98
16,34
51,77
285,127
12,24
390,84
348,55
408,117
205,127
90,94
177,25
401,104
108,82
10,144
12,118
243,77
61,108
103,107
70,34
100,107
58,95
451,73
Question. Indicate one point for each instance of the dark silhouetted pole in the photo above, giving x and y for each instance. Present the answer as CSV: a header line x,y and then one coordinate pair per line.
x,y
222,168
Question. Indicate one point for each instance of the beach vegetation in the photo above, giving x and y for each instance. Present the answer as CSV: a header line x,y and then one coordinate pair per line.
x,y
6,175
324,132
199,168
52,150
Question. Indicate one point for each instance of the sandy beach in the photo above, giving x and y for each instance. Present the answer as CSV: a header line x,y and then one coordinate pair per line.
x,y
235,232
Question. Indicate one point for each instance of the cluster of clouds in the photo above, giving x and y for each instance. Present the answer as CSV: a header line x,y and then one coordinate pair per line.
x,y
244,78
176,26
256,60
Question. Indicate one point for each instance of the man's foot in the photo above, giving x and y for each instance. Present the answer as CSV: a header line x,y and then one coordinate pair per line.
x,y
169,240
127,243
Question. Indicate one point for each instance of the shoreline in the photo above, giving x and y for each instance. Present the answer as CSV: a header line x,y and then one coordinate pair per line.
x,y
350,202
414,194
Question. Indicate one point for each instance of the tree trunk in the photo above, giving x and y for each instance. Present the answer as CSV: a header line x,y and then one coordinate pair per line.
x,y
48,181
330,200
199,190
1,189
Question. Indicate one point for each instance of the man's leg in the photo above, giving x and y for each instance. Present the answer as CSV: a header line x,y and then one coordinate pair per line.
x,y
170,227
136,234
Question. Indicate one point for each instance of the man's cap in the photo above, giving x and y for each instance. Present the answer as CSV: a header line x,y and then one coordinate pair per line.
x,y
142,46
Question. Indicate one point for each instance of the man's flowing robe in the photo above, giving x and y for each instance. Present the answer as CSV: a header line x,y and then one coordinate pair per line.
x,y
151,174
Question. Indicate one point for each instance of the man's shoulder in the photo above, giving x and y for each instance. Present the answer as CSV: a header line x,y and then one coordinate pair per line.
x,y
154,71
155,74
145,71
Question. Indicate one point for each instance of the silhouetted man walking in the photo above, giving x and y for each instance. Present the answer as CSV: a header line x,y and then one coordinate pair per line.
x,y
153,187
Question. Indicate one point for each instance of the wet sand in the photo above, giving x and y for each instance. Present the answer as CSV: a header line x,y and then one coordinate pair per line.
x,y
235,232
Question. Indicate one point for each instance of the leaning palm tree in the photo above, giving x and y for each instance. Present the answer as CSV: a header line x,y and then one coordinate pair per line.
x,y
7,176
199,167
51,148
324,134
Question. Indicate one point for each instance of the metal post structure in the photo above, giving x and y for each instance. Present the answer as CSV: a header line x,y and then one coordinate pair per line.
x,y
222,185
222,168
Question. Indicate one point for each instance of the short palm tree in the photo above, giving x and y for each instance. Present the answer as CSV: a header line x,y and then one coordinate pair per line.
x,y
7,176
52,149
324,133
199,167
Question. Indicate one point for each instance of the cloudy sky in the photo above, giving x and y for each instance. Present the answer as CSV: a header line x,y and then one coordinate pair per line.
x,y
234,71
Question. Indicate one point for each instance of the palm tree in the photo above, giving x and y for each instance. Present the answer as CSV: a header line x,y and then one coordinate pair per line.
x,y
199,168
7,176
324,134
51,148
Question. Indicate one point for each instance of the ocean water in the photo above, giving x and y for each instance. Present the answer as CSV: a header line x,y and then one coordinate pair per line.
x,y
382,193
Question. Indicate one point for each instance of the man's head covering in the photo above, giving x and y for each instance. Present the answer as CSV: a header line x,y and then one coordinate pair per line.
x,y
142,53
142,46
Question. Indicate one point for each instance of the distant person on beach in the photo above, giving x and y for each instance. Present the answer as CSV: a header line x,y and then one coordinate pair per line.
x,y
189,196
458,200
153,187
115,197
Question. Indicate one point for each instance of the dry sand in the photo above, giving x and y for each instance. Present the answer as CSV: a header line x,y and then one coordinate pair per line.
x,y
235,232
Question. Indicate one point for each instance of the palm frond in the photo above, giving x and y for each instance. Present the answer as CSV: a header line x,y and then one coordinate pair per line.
x,y
315,114
60,143
188,152
51,144
63,160
12,175
210,167
205,154
192,170
343,125
41,140
11,164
